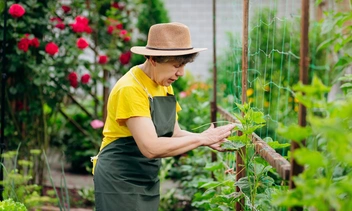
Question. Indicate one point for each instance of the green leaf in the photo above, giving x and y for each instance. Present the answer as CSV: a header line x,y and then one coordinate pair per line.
x,y
242,139
239,117
312,158
231,146
277,145
214,166
317,87
240,106
2,6
346,86
347,77
258,117
343,61
246,184
294,132
325,44
212,184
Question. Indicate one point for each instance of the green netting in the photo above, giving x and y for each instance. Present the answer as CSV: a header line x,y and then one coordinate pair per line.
x,y
273,63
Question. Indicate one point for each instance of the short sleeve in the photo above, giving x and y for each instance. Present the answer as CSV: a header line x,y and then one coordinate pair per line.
x,y
131,102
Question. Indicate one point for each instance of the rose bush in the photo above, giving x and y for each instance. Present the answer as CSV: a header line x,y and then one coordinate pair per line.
x,y
58,58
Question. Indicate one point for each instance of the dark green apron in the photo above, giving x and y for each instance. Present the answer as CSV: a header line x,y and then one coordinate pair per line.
x,y
124,179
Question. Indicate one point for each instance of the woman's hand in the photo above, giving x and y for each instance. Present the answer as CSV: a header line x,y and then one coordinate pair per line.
x,y
213,137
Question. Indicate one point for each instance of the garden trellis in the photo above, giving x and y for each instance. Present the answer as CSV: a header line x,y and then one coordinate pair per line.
x,y
260,69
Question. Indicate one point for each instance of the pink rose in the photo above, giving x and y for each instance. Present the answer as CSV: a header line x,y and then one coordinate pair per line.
x,y
103,59
85,78
58,23
88,30
96,124
119,26
118,5
81,19
66,8
183,94
16,11
81,25
74,84
82,43
78,27
34,42
23,44
110,29
51,48
72,77
127,39
125,57
123,33
60,26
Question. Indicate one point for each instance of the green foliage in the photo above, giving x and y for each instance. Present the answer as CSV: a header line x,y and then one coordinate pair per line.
x,y
77,153
11,205
258,184
273,61
40,85
18,182
87,195
249,122
150,12
195,104
325,183
347,85
337,26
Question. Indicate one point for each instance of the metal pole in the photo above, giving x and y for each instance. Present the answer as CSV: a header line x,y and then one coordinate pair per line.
x,y
303,77
3,83
240,167
213,103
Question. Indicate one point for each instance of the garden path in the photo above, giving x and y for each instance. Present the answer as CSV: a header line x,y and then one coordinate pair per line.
x,y
73,181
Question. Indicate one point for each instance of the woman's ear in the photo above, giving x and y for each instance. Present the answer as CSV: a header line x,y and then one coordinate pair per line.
x,y
151,60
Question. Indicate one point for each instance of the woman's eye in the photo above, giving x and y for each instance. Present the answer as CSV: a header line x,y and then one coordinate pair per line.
x,y
178,66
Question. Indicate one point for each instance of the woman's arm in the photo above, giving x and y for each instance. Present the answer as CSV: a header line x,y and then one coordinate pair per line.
x,y
152,146
178,132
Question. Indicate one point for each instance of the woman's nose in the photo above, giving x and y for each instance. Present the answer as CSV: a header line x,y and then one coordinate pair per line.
x,y
180,71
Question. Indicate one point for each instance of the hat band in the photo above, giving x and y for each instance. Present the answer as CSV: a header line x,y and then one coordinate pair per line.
x,y
169,49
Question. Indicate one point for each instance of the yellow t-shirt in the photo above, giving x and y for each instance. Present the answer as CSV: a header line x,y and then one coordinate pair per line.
x,y
128,98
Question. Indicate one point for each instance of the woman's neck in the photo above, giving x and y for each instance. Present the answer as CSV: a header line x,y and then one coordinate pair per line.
x,y
148,69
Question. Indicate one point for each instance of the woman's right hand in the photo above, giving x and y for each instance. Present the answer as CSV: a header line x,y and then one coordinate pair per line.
x,y
214,135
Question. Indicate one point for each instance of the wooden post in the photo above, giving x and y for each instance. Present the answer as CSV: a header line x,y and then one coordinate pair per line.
x,y
296,169
213,103
240,168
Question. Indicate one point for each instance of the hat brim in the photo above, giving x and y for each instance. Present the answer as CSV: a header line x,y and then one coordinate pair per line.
x,y
151,52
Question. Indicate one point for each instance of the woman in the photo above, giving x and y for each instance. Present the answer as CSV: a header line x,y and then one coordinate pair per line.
x,y
141,126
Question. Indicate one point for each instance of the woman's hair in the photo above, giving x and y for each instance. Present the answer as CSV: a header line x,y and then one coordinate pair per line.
x,y
182,60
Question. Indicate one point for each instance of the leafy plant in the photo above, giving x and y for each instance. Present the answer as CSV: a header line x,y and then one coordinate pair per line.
x,y
11,205
55,54
258,184
336,26
87,195
19,185
325,183
273,61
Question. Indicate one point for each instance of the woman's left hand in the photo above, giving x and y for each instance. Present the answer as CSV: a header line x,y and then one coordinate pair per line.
x,y
217,146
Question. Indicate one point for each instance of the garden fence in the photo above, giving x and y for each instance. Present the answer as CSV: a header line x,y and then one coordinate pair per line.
x,y
254,79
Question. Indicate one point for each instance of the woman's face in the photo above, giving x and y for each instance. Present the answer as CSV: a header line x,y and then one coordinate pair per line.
x,y
166,73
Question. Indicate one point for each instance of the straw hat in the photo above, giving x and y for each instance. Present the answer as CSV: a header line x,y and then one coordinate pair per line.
x,y
167,39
